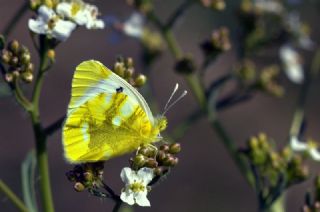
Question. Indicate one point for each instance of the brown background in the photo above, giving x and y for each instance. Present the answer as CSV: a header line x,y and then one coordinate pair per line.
x,y
206,178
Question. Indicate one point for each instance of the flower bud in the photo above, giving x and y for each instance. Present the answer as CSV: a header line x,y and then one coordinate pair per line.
x,y
8,77
170,161
161,156
129,62
147,151
14,46
27,77
175,148
158,171
151,163
140,80
25,58
51,54
29,68
79,187
14,61
164,147
139,160
185,65
128,73
119,69
88,176
6,56
218,5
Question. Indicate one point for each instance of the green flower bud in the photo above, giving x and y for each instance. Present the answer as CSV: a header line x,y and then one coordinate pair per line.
x,y
175,148
170,160
27,77
147,151
158,171
6,56
139,160
119,69
140,80
51,54
128,73
25,58
79,187
14,46
129,62
29,68
88,176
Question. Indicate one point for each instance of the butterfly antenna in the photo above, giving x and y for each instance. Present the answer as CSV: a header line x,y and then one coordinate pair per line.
x,y
172,94
174,102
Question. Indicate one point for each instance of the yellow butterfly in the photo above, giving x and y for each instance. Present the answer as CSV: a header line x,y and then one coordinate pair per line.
x,y
106,117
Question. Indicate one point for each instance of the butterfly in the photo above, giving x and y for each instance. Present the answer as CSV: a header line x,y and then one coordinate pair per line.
x,y
106,117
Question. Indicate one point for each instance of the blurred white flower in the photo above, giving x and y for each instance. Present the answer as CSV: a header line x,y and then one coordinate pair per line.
x,y
269,6
49,23
309,147
134,26
292,64
82,13
136,190
299,30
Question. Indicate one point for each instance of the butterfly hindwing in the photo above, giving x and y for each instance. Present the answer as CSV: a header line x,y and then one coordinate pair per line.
x,y
102,120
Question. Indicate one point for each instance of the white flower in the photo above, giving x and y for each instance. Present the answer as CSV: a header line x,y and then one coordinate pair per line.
x,y
269,6
50,24
292,64
81,13
298,29
136,190
134,26
309,147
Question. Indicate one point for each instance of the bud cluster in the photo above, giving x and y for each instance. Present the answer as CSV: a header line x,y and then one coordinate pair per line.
x,y
265,81
86,176
273,167
124,68
18,60
185,65
214,4
143,6
160,159
217,43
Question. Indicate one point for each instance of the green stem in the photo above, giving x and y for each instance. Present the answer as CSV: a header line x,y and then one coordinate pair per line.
x,y
197,89
11,195
15,19
278,205
39,132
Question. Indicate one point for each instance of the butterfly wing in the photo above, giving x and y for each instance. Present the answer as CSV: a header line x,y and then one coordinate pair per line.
x,y
104,121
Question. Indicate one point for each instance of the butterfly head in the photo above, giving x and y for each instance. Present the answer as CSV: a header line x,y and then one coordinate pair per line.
x,y
160,125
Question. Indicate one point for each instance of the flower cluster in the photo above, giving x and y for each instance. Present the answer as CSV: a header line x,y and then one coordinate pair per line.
x,y
125,69
274,170
217,43
86,176
18,60
59,20
265,80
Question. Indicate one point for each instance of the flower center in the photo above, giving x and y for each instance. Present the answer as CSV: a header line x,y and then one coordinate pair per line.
x,y
75,8
52,22
137,187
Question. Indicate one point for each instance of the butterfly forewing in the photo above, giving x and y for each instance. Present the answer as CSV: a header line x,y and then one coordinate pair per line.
x,y
103,120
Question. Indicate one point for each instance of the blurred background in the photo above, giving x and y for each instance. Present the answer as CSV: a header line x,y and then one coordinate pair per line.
x,y
206,178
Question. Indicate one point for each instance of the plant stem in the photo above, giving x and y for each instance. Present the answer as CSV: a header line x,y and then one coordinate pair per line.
x,y
278,205
15,19
11,195
39,132
198,90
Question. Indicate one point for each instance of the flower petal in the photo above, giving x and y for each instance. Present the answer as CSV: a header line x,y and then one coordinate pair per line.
x,y
141,199
127,175
63,29
37,25
297,145
64,9
315,154
145,175
46,13
127,196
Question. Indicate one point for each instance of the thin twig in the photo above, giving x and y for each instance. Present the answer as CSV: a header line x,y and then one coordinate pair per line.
x,y
13,197
179,12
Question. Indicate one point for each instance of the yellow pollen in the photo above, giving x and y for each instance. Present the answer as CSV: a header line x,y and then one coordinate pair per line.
x,y
137,187
75,8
